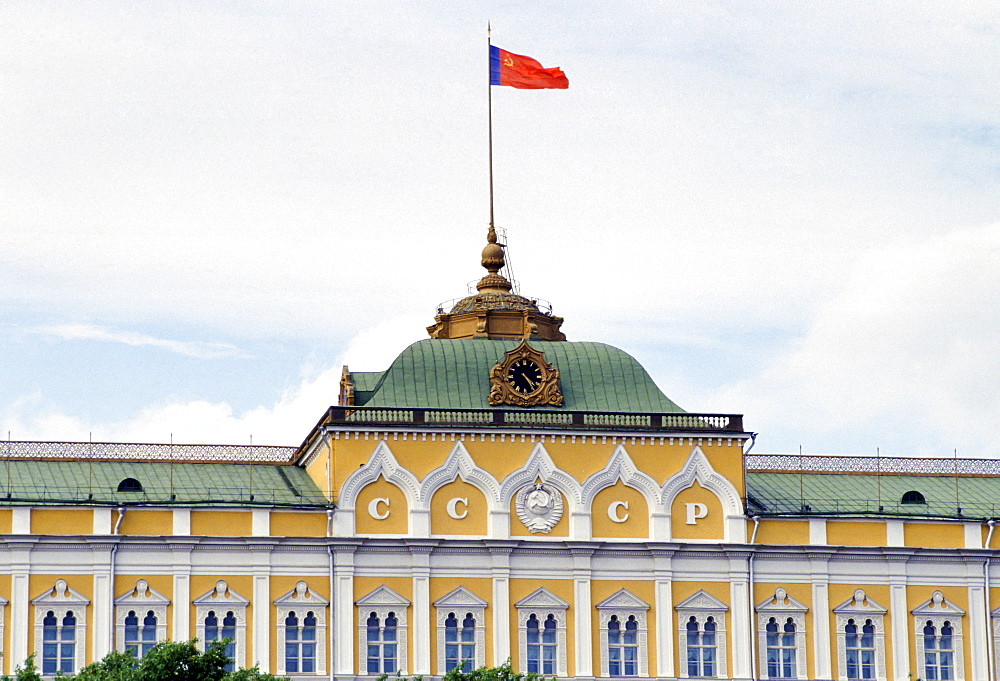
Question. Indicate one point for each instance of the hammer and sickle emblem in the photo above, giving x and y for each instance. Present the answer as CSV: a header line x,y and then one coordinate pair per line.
x,y
508,61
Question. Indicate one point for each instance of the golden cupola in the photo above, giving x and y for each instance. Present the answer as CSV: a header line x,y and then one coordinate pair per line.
x,y
493,311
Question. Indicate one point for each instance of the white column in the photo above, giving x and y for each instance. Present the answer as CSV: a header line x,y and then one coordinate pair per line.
x,y
102,608
261,621
663,614
977,619
420,625
182,522
894,533
501,606
102,520
817,533
20,599
346,636
583,620
900,631
20,518
821,630
260,522
182,605
740,603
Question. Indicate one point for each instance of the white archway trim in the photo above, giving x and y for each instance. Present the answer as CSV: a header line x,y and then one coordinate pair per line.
x,y
141,599
621,467
540,466
381,463
698,469
459,464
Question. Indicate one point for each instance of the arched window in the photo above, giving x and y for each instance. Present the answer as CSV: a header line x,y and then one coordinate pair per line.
x,y
140,639
913,497
213,632
58,643
859,644
382,644
780,641
460,642
701,647
623,647
939,652
300,643
129,485
541,645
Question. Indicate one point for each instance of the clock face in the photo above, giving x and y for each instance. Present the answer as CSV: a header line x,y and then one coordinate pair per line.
x,y
524,376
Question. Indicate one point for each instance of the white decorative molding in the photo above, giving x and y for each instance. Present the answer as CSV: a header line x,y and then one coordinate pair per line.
x,y
382,601
459,464
621,467
140,600
539,466
937,611
461,602
702,606
542,603
623,604
383,464
859,610
61,601
539,508
698,469
3,609
222,601
781,609
302,602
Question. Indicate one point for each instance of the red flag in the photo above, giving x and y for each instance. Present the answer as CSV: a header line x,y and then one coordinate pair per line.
x,y
516,70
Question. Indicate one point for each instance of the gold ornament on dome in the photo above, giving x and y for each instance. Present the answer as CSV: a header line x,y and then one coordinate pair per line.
x,y
524,379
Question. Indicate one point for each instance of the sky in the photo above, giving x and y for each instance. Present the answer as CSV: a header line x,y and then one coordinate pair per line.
x,y
787,210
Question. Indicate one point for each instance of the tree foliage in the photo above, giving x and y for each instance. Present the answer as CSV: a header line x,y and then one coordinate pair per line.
x,y
167,661
502,673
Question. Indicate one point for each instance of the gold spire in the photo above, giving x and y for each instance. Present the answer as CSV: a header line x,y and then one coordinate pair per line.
x,y
495,312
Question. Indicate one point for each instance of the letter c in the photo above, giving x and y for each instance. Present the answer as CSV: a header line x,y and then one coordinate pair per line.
x,y
373,508
613,511
694,511
453,510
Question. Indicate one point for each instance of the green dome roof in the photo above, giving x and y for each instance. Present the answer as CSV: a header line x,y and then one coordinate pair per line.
x,y
454,374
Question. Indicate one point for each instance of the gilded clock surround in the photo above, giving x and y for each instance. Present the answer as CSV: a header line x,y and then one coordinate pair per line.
x,y
503,389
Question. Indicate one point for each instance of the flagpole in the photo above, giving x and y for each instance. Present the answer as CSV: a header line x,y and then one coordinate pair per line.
x,y
489,102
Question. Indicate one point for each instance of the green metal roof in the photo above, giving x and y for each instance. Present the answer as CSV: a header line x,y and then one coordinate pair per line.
x,y
454,374
852,494
163,483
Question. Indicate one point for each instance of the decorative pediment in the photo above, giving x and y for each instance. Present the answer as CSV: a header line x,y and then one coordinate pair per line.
x,y
381,463
781,603
59,595
702,601
459,465
623,600
221,596
460,598
142,595
937,605
542,599
859,604
303,596
621,467
540,467
383,596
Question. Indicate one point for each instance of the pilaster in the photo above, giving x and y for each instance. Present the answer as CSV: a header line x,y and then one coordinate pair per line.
x,y
664,615
345,637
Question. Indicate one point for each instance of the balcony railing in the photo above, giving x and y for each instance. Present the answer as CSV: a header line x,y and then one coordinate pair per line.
x,y
535,419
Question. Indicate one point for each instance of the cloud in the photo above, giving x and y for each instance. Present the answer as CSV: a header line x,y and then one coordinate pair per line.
x,y
904,355
91,332
284,422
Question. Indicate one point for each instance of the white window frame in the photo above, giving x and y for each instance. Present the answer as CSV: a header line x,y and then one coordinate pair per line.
x,y
61,599
937,610
623,604
701,606
302,600
542,603
382,601
782,607
141,599
859,608
461,601
222,599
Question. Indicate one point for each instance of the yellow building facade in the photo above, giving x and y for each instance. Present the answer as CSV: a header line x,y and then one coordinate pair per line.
x,y
500,492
